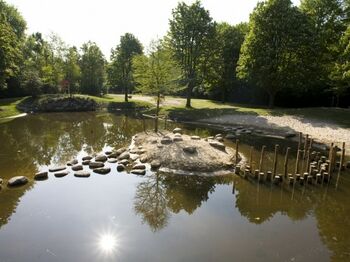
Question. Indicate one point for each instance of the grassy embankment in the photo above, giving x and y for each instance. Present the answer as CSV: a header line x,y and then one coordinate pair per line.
x,y
201,108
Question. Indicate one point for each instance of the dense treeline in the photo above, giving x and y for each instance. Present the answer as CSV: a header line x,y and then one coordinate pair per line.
x,y
285,55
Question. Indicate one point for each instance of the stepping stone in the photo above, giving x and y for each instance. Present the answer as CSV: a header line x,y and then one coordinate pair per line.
x,y
166,141
77,167
140,172
101,158
124,155
82,173
41,175
217,145
177,130
189,149
177,139
195,138
120,167
87,158
96,165
17,181
72,162
143,159
108,152
139,166
57,168
102,170
124,162
61,174
155,164
112,160
86,162
134,157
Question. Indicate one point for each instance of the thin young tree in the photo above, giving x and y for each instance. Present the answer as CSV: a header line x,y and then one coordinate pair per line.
x,y
156,73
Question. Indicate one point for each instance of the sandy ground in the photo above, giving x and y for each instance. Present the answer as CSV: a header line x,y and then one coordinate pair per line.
x,y
321,131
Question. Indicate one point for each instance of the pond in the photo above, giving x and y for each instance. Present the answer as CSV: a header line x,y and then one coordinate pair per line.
x,y
156,217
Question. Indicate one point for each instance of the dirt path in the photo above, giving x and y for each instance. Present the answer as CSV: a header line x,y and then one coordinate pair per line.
x,y
321,131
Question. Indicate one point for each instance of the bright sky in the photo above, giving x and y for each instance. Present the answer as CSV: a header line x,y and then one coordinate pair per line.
x,y
104,21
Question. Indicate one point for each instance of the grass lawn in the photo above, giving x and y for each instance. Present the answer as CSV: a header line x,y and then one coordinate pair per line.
x,y
201,108
8,107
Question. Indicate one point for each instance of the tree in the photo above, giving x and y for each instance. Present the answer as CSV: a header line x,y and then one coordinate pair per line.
x,y
340,74
121,62
191,29
72,70
156,73
12,27
220,75
92,69
278,52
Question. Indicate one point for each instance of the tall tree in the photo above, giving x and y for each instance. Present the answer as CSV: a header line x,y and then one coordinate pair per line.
x,y
72,70
92,69
156,74
191,29
278,52
12,27
121,61
220,74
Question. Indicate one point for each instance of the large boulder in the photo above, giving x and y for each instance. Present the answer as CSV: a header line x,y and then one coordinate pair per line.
x,y
217,145
189,149
72,162
17,181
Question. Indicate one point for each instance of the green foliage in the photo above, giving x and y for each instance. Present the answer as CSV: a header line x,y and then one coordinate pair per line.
x,y
220,74
278,52
190,33
156,73
72,70
120,69
33,83
92,69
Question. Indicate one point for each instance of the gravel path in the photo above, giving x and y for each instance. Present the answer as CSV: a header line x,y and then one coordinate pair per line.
x,y
321,131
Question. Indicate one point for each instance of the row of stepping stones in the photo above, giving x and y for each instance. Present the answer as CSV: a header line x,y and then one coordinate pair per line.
x,y
120,156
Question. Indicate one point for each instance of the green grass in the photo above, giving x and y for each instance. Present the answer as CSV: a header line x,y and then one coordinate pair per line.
x,y
8,107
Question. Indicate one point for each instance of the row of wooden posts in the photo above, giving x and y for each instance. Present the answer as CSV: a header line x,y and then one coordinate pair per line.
x,y
309,166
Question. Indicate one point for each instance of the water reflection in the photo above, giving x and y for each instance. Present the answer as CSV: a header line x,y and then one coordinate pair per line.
x,y
160,199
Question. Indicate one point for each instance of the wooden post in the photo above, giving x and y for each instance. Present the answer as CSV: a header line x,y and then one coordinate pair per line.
x,y
143,124
286,162
305,146
341,163
297,163
275,162
251,158
165,121
237,142
300,138
330,158
261,158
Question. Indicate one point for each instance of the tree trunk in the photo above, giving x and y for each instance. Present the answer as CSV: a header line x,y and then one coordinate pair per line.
x,y
126,93
189,94
157,114
223,95
272,100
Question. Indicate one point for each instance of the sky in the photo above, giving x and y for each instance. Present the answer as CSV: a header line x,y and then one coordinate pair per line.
x,y
104,21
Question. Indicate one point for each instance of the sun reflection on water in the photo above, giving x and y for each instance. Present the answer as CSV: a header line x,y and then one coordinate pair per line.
x,y
108,243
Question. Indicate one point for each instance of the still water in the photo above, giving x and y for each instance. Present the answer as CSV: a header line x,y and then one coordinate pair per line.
x,y
156,217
